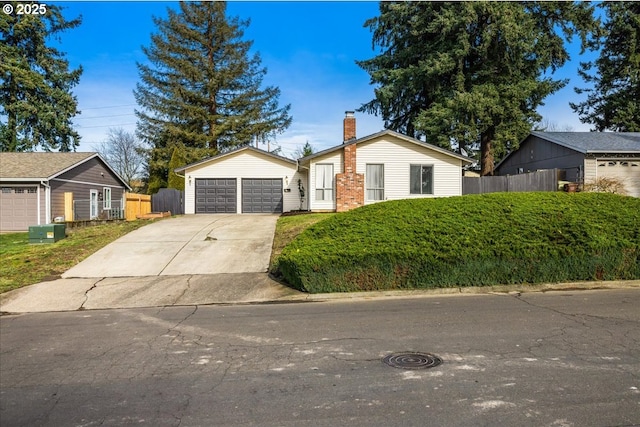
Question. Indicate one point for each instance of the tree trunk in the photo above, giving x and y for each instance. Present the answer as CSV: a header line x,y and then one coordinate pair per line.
x,y
486,153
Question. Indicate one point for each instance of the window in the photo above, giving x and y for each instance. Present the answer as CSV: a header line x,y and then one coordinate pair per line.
x,y
421,179
375,182
106,198
6,190
324,182
32,190
19,190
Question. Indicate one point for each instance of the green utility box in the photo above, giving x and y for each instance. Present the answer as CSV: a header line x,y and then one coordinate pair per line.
x,y
48,233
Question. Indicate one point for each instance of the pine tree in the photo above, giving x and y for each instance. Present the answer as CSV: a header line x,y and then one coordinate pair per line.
x,y
202,89
36,103
306,150
613,103
178,159
469,75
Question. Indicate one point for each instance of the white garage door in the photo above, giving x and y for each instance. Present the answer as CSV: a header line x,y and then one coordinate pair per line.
x,y
18,208
626,171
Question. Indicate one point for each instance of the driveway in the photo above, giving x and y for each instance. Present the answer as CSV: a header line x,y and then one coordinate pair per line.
x,y
188,260
186,245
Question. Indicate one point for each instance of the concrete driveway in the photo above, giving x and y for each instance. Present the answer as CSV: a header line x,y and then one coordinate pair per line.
x,y
187,260
192,244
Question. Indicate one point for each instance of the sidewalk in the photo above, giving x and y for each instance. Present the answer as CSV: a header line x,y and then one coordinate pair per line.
x,y
241,288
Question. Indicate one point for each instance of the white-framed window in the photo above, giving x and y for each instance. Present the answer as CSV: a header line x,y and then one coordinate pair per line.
x,y
421,179
374,182
106,198
324,181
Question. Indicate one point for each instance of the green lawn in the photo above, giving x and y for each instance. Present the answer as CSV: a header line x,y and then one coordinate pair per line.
x,y
480,240
288,227
23,264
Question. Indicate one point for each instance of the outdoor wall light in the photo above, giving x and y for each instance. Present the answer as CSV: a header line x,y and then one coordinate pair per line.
x,y
286,181
189,179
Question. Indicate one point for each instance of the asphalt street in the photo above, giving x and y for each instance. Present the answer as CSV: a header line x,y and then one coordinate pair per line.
x,y
569,358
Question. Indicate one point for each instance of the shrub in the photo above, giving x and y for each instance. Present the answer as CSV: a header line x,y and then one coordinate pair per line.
x,y
475,240
605,185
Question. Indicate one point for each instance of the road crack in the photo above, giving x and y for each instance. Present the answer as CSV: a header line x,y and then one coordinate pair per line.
x,y
86,294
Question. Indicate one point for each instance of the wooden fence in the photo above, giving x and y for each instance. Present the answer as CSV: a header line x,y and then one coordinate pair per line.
x,y
137,204
542,180
168,200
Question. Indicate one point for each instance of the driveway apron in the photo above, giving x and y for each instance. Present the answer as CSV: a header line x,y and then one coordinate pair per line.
x,y
186,245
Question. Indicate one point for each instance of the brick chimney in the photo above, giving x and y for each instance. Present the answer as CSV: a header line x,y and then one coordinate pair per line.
x,y
349,126
349,184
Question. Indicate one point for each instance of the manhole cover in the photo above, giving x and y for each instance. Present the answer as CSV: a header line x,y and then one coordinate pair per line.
x,y
412,360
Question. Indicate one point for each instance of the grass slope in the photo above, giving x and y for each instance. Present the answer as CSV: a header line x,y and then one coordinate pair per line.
x,y
500,238
23,264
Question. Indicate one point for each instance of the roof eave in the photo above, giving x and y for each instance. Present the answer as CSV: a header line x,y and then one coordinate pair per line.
x,y
18,179
182,169
393,133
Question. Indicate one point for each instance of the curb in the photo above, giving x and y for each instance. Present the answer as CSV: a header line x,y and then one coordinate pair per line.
x,y
475,290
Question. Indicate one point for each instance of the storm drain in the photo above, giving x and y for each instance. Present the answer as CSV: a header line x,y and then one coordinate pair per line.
x,y
412,360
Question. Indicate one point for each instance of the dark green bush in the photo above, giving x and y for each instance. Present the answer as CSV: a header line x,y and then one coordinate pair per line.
x,y
480,240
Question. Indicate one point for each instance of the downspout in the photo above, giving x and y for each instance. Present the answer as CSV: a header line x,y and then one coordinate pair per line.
x,y
47,203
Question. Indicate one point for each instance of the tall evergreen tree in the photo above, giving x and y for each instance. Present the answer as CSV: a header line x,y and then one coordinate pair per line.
x,y
613,103
202,88
36,103
469,74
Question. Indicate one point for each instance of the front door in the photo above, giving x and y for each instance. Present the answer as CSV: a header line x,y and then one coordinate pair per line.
x,y
93,204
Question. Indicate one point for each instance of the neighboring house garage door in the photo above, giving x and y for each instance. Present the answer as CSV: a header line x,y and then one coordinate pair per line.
x,y
626,171
18,208
261,195
216,195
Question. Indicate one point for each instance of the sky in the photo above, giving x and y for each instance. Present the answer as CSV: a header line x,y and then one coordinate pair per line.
x,y
309,50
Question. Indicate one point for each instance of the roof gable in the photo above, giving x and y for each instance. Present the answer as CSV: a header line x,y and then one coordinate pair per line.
x,y
236,151
43,166
40,165
371,138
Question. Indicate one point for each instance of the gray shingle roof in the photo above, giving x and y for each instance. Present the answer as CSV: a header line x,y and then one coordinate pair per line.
x,y
595,142
38,165
392,133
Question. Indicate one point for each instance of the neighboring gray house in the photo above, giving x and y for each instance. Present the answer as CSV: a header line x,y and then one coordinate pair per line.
x,y
583,156
384,166
33,187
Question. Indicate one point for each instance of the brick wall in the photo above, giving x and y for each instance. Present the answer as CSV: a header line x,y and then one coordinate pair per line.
x,y
349,184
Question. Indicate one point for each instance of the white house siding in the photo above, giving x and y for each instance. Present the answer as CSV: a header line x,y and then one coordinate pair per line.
x,y
336,159
245,164
590,172
397,155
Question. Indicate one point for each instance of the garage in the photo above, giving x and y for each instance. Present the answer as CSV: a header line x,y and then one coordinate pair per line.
x,y
216,195
244,180
262,195
18,208
627,171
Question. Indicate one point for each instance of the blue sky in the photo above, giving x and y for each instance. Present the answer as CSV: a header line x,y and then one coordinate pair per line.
x,y
308,48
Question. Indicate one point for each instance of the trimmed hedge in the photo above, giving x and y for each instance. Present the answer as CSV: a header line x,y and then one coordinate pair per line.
x,y
475,240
